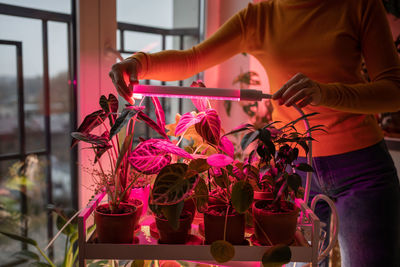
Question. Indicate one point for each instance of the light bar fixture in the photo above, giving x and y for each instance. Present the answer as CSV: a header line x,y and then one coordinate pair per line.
x,y
199,92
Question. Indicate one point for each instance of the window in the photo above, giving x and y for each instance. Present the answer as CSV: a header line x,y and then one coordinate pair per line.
x,y
37,113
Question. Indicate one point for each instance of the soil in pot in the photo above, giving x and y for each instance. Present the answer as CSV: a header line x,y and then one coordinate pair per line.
x,y
279,226
118,227
170,236
214,223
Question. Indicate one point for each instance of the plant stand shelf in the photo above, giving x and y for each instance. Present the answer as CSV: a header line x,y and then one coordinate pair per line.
x,y
146,247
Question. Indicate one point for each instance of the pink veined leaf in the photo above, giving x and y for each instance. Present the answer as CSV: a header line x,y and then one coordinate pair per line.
x,y
147,159
159,112
226,145
201,104
210,127
187,120
169,147
219,160
143,116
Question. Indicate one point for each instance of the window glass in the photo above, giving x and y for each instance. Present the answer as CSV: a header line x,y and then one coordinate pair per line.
x,y
62,6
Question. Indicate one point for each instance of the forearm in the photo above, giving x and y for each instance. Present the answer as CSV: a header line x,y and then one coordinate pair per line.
x,y
369,98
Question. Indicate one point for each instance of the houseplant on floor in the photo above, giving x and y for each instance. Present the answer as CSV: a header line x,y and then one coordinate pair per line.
x,y
115,175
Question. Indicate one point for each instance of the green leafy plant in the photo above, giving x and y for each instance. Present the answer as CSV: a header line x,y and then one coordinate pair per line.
x,y
126,161
272,155
70,252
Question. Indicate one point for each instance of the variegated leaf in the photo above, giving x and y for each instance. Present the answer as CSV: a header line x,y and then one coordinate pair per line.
x,y
90,122
169,147
210,127
91,139
187,120
143,116
147,159
171,186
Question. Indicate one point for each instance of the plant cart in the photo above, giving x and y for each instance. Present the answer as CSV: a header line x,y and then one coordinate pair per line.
x,y
307,246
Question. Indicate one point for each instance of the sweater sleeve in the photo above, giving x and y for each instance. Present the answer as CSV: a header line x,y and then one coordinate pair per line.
x,y
382,94
171,65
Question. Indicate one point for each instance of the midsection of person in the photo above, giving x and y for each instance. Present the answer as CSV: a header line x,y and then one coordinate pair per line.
x,y
323,39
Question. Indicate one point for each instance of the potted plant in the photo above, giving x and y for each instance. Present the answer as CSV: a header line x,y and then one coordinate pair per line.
x,y
214,174
272,155
115,175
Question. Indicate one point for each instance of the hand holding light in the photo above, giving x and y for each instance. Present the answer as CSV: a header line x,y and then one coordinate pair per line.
x,y
299,90
124,75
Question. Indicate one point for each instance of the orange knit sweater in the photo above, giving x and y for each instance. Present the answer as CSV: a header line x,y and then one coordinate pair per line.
x,y
325,40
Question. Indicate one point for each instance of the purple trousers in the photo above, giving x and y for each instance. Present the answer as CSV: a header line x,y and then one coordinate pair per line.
x,y
365,188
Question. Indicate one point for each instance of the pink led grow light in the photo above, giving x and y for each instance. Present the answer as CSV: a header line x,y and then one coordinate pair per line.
x,y
199,92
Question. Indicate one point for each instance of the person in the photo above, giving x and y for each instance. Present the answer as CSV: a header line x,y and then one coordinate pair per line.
x,y
312,51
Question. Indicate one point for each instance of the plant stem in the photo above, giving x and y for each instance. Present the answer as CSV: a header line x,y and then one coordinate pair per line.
x,y
226,221
45,256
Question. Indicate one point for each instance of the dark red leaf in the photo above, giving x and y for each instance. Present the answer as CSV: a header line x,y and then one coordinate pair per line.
x,y
142,116
159,112
210,127
147,159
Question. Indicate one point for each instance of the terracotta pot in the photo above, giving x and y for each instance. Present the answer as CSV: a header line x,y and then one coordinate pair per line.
x,y
259,195
279,227
139,208
214,222
170,236
115,228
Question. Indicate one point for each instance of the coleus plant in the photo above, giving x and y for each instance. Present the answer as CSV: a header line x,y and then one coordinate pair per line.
x,y
272,154
117,141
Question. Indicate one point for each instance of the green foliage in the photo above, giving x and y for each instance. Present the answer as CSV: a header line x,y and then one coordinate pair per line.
x,y
222,251
242,196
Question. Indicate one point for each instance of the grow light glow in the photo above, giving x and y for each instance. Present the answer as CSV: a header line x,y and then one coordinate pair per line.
x,y
198,92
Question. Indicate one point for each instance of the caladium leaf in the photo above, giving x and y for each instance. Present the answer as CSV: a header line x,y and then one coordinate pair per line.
x,y
219,160
242,196
187,120
226,146
171,186
169,147
110,107
110,104
159,112
161,130
90,122
210,127
123,119
201,104
147,159
91,139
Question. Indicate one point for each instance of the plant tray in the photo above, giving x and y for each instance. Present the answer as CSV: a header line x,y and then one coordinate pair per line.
x,y
146,247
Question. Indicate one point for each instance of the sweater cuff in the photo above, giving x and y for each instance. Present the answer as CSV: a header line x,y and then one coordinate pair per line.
x,y
329,95
142,59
